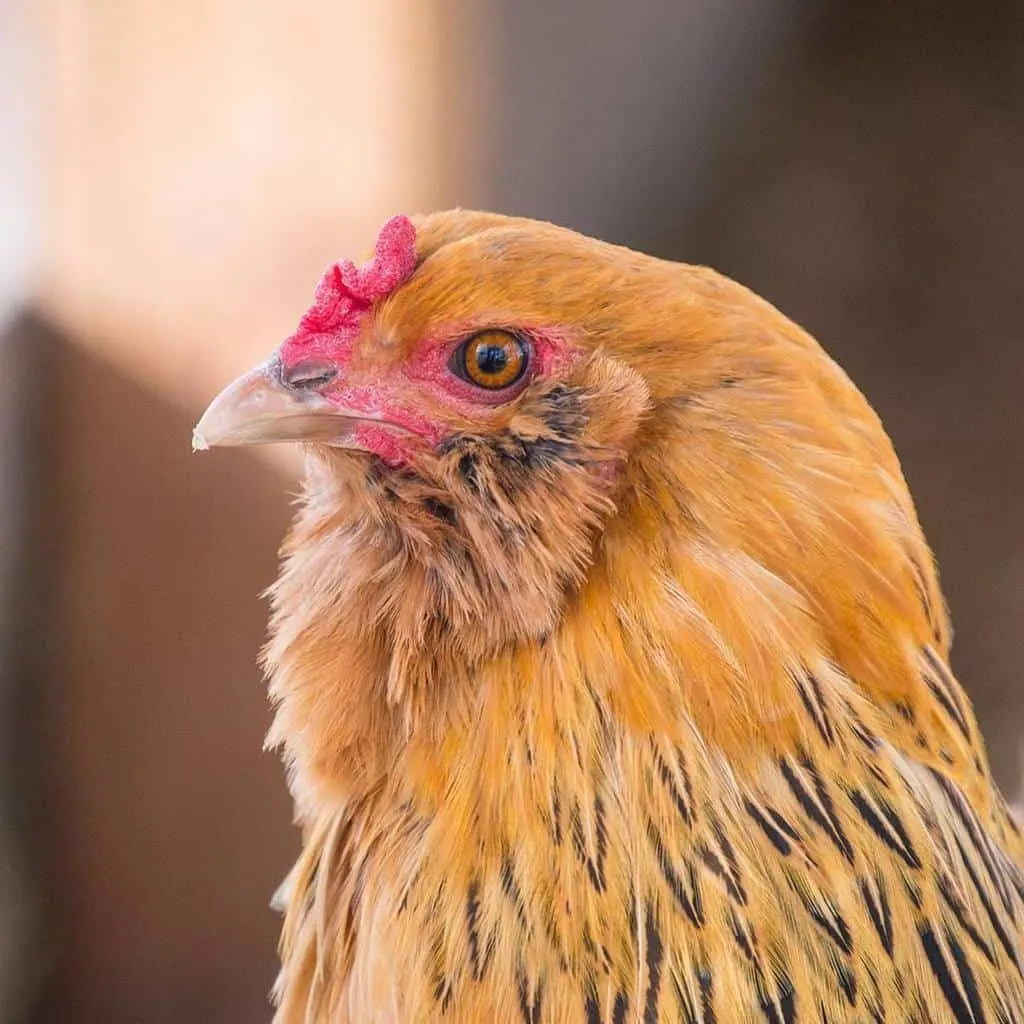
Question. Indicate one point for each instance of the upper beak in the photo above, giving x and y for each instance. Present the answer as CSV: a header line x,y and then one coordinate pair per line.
x,y
262,406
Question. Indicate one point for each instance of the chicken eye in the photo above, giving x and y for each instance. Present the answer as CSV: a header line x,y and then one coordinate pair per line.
x,y
491,359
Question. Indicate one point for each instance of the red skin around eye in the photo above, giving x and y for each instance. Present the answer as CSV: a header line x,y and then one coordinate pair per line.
x,y
428,368
549,353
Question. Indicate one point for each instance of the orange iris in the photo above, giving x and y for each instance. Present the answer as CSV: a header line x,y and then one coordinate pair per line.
x,y
493,359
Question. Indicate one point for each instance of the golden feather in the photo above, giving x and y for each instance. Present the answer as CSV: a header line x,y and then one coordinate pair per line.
x,y
632,704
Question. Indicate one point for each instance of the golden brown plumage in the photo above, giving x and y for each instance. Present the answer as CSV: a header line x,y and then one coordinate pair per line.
x,y
626,699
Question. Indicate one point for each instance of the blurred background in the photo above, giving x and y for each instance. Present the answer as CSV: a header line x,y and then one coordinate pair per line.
x,y
173,179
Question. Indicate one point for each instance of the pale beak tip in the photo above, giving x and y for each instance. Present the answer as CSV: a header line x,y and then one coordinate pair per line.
x,y
199,442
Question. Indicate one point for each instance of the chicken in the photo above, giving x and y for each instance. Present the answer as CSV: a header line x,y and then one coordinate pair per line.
x,y
609,661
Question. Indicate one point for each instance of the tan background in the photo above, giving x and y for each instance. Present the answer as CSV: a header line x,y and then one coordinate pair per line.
x,y
183,174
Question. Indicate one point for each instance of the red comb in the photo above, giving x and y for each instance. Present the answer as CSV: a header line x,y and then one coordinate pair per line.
x,y
347,290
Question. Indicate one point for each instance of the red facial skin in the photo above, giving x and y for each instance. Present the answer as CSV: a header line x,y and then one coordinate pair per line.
x,y
427,373
328,331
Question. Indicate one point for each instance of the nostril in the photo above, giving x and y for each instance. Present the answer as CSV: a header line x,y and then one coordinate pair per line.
x,y
308,374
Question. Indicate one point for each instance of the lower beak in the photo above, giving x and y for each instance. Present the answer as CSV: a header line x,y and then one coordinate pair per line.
x,y
261,408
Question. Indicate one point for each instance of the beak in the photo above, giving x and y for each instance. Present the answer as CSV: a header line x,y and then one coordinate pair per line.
x,y
262,407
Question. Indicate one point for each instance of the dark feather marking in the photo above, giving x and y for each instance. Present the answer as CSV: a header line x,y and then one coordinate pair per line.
x,y
443,994
878,911
923,595
691,1013
565,414
594,865
956,905
979,840
997,923
778,839
746,941
468,471
692,906
847,982
530,1010
687,1010
1011,819
895,837
680,760
943,698
814,701
905,711
472,915
714,865
878,774
966,1011
783,825
665,774
574,739
511,889
707,994
590,1006
782,1008
787,1001
1017,881
655,954
941,677
730,857
619,1008
542,452
825,800
556,812
440,510
602,841
820,811
863,733
829,920
442,983
913,891
576,826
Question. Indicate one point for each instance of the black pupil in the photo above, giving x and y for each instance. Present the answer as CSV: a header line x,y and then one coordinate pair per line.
x,y
491,359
